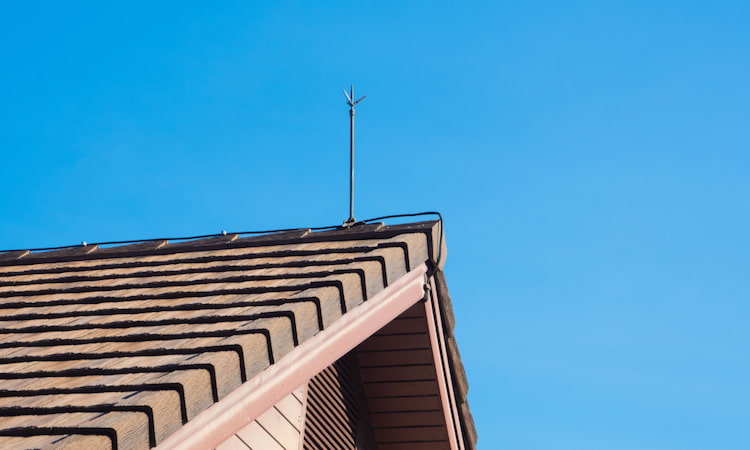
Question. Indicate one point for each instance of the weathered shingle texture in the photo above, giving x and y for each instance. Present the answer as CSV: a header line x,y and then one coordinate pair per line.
x,y
119,347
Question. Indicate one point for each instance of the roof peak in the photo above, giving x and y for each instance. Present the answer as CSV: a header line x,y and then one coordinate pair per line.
x,y
361,231
17,253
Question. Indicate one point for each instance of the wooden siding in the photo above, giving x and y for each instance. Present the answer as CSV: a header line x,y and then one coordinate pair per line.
x,y
279,428
400,383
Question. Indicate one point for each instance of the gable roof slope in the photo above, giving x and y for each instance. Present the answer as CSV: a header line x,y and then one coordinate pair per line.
x,y
120,347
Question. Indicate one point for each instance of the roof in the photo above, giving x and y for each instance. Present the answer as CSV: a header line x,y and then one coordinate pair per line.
x,y
123,346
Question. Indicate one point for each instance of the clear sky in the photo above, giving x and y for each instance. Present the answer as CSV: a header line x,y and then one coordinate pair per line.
x,y
590,159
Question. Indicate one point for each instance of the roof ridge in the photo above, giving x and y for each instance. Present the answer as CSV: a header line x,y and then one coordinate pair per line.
x,y
359,231
23,252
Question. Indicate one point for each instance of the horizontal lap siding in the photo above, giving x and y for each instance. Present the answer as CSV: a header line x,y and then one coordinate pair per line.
x,y
399,381
399,397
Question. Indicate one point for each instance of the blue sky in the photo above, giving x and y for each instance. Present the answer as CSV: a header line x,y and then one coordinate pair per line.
x,y
590,159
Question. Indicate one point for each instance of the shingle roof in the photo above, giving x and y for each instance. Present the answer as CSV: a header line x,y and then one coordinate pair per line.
x,y
123,345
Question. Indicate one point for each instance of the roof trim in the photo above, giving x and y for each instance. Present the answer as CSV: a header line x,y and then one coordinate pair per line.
x,y
217,423
444,379
435,244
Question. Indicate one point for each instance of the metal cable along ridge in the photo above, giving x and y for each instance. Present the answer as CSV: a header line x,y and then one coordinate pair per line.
x,y
225,233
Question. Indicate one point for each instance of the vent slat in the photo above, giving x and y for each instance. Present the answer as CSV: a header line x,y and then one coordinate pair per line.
x,y
334,416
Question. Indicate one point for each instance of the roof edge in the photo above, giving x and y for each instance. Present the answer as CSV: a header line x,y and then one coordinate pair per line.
x,y
432,229
456,371
214,425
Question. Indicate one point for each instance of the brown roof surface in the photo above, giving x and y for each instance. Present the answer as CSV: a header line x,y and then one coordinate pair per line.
x,y
123,345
